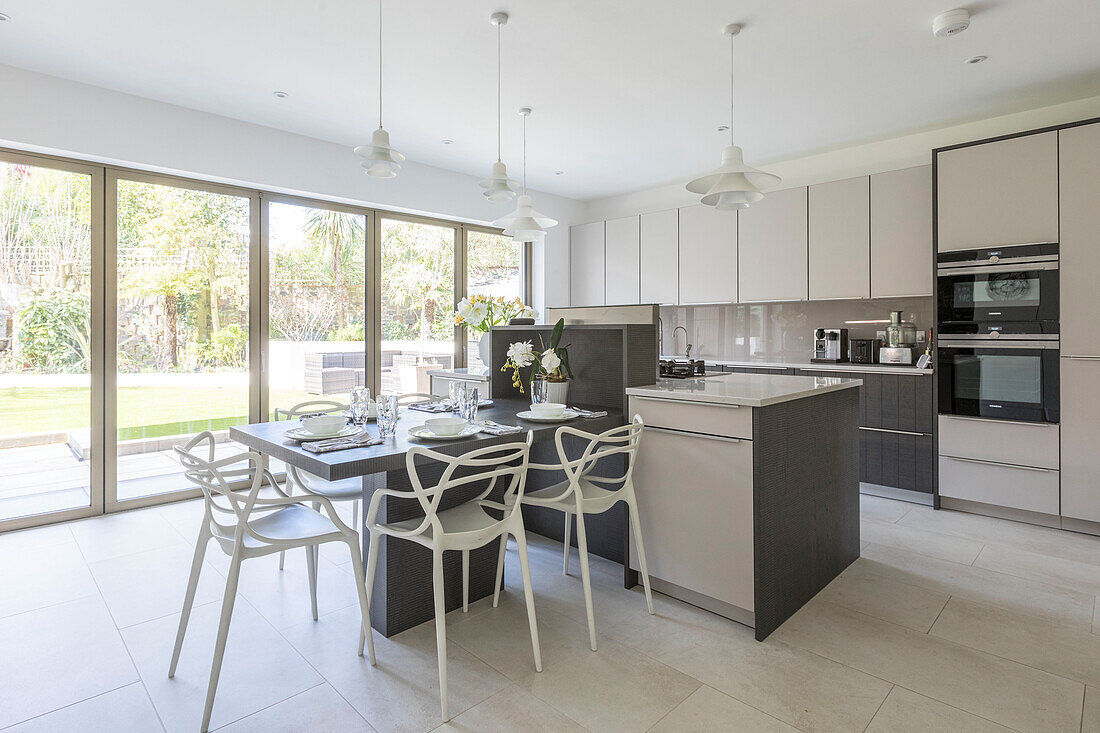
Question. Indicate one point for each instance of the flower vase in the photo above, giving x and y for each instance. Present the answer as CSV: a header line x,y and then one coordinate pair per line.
x,y
483,349
554,391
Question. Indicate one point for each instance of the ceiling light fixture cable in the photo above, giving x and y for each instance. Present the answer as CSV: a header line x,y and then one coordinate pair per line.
x,y
733,185
525,224
380,159
498,187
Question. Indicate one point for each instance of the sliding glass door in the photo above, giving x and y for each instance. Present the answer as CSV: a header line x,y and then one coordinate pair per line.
x,y
495,268
180,327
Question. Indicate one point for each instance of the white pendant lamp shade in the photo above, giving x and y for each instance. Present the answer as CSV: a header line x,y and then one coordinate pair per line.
x,y
732,185
380,159
498,186
525,224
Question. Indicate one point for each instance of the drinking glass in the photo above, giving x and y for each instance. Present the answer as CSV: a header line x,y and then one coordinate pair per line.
x,y
387,415
539,391
360,404
457,394
468,407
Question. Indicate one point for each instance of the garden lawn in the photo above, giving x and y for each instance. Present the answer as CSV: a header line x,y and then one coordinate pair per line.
x,y
143,412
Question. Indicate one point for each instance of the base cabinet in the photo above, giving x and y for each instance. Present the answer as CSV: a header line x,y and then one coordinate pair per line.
x,y
1080,435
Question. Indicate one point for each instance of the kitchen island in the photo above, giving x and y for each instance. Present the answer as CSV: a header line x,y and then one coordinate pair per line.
x,y
748,490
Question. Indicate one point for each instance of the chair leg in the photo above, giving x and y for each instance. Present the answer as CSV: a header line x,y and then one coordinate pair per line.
x,y
586,581
368,588
500,568
189,597
365,633
440,628
565,564
282,558
636,525
311,571
465,581
529,597
223,632
355,515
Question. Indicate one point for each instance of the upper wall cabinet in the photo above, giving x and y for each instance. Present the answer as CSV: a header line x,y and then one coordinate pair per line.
x,y
621,259
660,267
772,244
999,193
1079,250
586,264
840,239
901,233
708,255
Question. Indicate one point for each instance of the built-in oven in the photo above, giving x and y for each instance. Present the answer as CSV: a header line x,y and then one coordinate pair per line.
x,y
1005,290
998,377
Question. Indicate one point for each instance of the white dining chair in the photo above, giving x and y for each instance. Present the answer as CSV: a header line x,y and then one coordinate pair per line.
x,y
465,527
582,493
247,525
415,398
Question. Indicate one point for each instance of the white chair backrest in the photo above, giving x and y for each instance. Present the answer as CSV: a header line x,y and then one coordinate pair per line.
x,y
309,407
415,398
621,440
483,464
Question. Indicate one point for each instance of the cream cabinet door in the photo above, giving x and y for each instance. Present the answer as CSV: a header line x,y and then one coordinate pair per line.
x,y
621,261
840,239
998,193
1079,249
772,248
708,255
1080,387
901,233
660,266
586,264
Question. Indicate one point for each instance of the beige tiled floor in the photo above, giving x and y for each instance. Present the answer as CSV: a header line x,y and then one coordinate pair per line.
x,y
949,622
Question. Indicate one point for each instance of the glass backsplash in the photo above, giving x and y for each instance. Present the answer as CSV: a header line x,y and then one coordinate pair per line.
x,y
779,332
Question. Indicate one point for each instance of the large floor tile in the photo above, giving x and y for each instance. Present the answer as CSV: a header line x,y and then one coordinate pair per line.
x,y
151,584
36,578
798,687
401,693
57,656
991,687
1071,574
884,510
1091,721
710,711
260,667
900,603
921,541
978,584
125,709
508,711
990,530
907,712
1036,642
282,596
317,710
114,535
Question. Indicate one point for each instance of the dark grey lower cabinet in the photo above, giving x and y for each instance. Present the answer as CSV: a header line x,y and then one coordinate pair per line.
x,y
896,460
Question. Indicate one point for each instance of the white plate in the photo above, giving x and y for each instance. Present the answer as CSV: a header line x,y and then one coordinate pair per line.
x,y
303,434
566,414
424,433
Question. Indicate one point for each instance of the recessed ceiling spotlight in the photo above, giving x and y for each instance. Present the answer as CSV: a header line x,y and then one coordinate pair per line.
x,y
951,23
4,16
558,173
280,95
723,128
447,141
976,59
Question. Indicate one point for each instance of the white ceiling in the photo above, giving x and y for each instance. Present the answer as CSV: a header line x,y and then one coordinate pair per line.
x,y
627,94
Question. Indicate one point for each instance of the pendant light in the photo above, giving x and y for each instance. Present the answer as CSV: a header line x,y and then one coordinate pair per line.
x,y
498,186
380,159
733,185
525,224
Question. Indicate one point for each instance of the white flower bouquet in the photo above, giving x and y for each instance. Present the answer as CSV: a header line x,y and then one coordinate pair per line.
x,y
551,364
481,312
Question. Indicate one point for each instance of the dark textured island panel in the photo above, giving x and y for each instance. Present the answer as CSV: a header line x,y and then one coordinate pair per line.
x,y
805,500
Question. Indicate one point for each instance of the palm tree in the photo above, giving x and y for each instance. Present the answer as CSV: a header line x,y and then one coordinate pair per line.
x,y
337,233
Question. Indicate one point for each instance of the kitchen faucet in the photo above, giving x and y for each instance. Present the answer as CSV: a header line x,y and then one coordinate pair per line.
x,y
687,354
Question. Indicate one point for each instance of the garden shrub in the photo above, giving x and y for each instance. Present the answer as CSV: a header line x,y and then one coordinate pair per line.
x,y
350,332
52,332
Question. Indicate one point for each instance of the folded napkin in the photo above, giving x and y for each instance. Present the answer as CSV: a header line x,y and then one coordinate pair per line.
x,y
355,441
589,413
495,428
431,406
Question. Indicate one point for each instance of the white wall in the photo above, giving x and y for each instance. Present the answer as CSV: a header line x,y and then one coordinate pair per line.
x,y
47,114
885,155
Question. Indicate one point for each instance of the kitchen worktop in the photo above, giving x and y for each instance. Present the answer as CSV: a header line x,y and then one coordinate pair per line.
x,y
747,390
840,367
469,374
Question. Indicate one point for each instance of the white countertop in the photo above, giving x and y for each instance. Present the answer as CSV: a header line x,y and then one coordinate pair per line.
x,y
474,374
749,390
845,366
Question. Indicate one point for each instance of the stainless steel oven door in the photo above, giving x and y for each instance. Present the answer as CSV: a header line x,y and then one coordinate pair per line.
x,y
998,378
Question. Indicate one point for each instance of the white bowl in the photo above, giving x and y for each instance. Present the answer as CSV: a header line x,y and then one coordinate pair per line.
x,y
547,409
324,424
445,425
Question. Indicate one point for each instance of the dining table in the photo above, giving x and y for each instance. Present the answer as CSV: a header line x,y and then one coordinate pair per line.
x,y
402,595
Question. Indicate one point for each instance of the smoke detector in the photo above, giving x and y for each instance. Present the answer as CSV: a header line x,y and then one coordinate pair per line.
x,y
951,23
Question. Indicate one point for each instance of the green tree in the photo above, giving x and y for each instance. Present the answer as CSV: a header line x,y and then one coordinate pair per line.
x,y
418,272
337,234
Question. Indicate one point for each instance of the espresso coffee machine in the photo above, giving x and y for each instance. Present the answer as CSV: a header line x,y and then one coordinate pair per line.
x,y
830,345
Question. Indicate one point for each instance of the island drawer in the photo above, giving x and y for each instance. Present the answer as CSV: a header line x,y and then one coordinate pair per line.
x,y
1017,487
730,421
